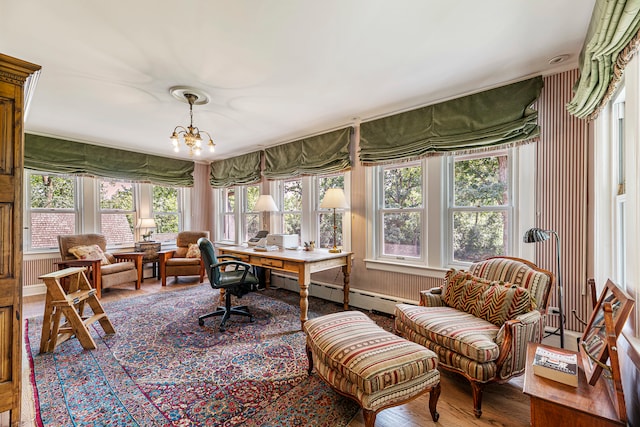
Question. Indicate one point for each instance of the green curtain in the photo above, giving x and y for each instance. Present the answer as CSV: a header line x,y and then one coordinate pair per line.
x,y
494,117
613,25
321,154
48,154
238,170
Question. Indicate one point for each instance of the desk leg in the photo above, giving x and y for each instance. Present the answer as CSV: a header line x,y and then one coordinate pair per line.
x,y
304,279
346,272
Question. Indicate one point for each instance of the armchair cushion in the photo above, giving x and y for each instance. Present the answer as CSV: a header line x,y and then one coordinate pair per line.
x,y
89,252
461,332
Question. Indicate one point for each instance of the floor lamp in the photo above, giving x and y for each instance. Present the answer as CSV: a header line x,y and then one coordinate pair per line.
x,y
535,235
334,199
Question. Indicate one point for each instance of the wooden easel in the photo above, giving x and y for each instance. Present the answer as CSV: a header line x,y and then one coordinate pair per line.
x,y
70,302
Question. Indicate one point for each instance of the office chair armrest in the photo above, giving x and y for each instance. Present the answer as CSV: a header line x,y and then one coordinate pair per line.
x,y
236,263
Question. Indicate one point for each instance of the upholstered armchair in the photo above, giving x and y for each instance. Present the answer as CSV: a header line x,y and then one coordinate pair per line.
x,y
185,259
480,321
105,269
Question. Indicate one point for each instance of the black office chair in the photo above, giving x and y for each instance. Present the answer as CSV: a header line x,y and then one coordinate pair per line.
x,y
237,282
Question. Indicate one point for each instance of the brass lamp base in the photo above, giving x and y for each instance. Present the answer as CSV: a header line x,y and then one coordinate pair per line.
x,y
335,250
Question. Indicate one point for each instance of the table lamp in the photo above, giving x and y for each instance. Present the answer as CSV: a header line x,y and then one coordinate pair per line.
x,y
334,199
146,224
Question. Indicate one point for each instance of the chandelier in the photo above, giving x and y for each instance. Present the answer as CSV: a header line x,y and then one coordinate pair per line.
x,y
191,134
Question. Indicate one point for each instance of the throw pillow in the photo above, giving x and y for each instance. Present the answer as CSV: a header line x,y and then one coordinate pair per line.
x,y
462,290
502,302
193,251
89,252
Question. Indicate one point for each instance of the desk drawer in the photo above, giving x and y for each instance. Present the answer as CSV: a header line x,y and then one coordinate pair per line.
x,y
268,262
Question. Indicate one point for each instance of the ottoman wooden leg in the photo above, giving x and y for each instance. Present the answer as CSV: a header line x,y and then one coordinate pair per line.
x,y
434,395
310,357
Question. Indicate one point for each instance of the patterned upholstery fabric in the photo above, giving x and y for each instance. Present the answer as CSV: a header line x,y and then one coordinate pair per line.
x,y
516,273
495,299
462,332
374,366
499,303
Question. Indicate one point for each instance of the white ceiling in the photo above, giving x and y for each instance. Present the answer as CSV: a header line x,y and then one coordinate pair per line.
x,y
276,70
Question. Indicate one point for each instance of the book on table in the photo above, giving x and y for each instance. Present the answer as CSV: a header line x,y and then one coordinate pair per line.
x,y
557,366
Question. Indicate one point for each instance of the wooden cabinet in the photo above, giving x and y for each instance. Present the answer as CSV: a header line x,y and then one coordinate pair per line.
x,y
554,403
13,77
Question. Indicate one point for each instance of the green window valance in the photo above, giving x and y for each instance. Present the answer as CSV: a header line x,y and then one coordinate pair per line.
x,y
321,154
614,23
491,118
238,170
48,154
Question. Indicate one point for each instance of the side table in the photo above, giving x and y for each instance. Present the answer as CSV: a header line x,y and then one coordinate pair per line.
x,y
150,254
554,403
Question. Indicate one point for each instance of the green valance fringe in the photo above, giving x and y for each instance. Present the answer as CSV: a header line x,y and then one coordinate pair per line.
x,y
54,155
237,170
491,118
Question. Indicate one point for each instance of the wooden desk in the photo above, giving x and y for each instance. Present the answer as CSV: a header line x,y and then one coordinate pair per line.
x,y
554,403
303,263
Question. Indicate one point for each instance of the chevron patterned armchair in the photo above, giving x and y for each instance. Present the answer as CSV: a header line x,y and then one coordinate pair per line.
x,y
480,320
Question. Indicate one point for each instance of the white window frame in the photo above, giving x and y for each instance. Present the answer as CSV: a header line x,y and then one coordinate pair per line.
x,y
452,209
309,227
134,212
437,242
181,203
28,209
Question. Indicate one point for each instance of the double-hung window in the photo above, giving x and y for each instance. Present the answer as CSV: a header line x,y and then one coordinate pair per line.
x,y
401,212
117,211
166,203
325,217
480,207
250,218
236,208
292,206
52,209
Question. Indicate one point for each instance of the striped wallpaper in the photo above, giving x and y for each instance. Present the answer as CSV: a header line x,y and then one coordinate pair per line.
x,y
561,194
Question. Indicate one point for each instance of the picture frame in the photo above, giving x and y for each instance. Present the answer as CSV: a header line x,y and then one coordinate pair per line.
x,y
598,346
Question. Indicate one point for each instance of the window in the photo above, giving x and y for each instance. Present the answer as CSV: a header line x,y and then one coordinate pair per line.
x,y
401,213
117,211
51,209
229,214
166,212
324,218
620,252
479,207
448,211
292,207
251,219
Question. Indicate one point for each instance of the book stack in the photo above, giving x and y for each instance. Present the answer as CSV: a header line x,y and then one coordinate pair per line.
x,y
561,367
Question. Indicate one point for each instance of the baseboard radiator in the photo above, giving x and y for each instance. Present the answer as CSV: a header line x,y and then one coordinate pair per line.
x,y
34,268
364,300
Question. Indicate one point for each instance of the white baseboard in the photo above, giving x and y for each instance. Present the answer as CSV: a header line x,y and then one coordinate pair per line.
x,y
32,290
365,300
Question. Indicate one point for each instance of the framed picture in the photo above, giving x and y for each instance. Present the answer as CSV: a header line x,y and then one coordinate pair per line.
x,y
598,343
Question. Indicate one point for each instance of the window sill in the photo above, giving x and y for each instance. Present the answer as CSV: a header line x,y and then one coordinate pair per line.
x,y
398,267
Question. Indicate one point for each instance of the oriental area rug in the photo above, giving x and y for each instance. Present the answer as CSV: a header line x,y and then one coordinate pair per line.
x,y
161,369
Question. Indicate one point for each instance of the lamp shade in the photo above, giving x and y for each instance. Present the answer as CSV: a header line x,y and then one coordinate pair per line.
x,y
534,235
334,198
146,223
265,203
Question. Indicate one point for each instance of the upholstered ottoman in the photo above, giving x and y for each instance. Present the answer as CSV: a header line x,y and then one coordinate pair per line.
x,y
374,367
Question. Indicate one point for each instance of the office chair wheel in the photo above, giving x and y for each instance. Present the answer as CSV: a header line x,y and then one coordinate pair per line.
x,y
201,322
251,319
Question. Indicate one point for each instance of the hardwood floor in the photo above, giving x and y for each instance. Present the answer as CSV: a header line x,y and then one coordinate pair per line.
x,y
502,405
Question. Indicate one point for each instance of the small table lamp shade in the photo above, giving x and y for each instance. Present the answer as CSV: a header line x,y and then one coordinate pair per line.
x,y
334,198
265,203
146,223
